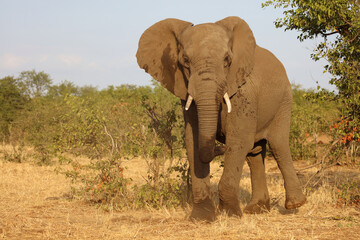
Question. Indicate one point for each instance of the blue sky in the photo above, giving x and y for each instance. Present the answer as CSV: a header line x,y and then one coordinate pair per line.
x,y
93,42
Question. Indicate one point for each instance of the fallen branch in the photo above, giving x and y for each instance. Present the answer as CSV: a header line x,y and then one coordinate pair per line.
x,y
328,151
322,163
322,159
319,171
311,166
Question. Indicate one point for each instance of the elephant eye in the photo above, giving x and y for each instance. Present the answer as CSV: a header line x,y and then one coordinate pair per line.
x,y
227,60
186,61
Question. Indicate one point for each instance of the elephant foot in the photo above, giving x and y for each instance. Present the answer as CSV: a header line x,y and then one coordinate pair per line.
x,y
232,209
204,211
257,207
295,202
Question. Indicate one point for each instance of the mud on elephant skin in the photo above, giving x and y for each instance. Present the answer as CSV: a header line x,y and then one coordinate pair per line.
x,y
232,91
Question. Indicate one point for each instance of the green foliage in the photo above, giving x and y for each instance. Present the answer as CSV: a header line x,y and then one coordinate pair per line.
x,y
309,119
348,194
168,188
25,113
123,121
37,126
62,90
164,112
146,121
64,122
12,101
66,118
169,193
100,181
34,84
82,129
338,22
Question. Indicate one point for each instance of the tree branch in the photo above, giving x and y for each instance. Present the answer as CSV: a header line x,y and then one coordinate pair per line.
x,y
112,140
342,30
328,34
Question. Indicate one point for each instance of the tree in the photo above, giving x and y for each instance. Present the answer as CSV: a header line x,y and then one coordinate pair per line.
x,y
12,100
63,89
35,84
338,23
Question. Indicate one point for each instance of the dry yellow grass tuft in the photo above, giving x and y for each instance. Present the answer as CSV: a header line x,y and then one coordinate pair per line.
x,y
35,204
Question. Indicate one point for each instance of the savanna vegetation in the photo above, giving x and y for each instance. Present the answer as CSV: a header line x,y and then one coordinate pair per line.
x,y
87,134
63,121
68,148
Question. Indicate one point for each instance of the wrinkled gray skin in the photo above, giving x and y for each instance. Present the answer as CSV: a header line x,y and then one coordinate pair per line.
x,y
206,61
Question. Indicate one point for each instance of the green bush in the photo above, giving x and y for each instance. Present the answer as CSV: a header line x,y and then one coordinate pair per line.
x,y
119,122
348,194
12,101
169,192
309,119
141,121
100,181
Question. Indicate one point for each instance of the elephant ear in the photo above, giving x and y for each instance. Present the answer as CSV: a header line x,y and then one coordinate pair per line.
x,y
243,48
158,55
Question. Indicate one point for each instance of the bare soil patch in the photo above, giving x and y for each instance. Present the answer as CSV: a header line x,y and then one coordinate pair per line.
x,y
35,203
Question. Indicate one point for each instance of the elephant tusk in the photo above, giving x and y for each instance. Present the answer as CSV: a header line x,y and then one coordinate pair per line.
x,y
188,102
227,101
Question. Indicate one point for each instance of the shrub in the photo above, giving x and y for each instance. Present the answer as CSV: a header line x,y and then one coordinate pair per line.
x,y
348,194
12,101
100,181
15,154
309,119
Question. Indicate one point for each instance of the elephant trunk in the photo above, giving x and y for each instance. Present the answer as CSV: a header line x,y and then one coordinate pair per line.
x,y
208,119
209,85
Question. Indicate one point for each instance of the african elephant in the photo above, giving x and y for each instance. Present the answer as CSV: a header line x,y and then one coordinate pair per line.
x,y
232,91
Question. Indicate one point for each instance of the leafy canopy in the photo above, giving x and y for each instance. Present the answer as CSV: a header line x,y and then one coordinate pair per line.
x,y
34,83
338,23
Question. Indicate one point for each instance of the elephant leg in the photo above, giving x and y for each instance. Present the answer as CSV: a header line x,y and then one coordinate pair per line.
x,y
279,145
203,207
229,182
260,200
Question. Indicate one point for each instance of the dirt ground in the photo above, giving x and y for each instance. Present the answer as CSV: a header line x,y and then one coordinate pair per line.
x,y
34,204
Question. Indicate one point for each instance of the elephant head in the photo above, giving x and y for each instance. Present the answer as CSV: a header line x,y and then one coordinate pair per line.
x,y
203,63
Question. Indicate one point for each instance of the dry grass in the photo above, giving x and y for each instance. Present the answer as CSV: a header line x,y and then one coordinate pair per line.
x,y
34,204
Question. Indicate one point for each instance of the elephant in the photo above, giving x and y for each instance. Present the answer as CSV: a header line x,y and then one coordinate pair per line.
x,y
231,91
